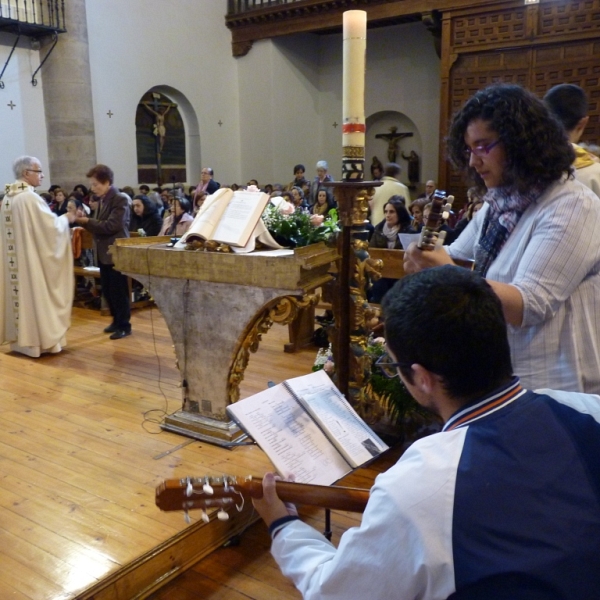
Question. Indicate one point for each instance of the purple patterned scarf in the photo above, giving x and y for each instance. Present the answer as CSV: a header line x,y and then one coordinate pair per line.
x,y
505,209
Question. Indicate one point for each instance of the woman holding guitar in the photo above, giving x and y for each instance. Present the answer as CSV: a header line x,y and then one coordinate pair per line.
x,y
535,240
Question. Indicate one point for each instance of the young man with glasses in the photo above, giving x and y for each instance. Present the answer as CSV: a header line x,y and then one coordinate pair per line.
x,y
36,262
503,504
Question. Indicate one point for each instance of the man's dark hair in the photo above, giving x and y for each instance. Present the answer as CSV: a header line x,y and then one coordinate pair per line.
x,y
144,189
299,168
537,150
392,170
102,173
568,103
449,320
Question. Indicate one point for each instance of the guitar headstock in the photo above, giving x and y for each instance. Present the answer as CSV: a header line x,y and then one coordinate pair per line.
x,y
431,237
190,493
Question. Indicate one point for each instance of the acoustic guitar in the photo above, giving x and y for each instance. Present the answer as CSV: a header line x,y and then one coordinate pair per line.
x,y
431,236
192,493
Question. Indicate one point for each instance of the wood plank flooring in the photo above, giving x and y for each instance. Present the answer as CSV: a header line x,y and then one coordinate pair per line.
x,y
79,448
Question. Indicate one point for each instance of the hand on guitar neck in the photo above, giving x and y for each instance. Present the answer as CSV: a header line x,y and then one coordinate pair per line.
x,y
428,251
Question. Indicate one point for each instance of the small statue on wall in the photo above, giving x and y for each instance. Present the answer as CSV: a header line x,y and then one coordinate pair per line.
x,y
413,167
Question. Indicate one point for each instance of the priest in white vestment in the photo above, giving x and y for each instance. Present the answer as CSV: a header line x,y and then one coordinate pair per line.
x,y
36,279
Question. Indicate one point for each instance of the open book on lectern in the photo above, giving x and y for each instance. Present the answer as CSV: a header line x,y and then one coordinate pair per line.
x,y
307,428
232,218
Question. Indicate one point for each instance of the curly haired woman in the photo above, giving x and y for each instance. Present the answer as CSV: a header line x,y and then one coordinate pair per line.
x,y
535,239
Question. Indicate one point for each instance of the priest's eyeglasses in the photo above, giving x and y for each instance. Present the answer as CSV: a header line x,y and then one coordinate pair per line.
x,y
387,366
481,150
34,170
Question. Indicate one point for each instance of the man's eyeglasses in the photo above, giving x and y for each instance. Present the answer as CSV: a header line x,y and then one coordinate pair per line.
x,y
34,170
481,150
387,366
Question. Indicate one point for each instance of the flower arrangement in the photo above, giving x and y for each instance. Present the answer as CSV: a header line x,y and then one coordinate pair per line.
x,y
298,228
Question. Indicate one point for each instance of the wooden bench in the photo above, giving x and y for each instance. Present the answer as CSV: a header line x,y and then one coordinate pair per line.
x,y
87,243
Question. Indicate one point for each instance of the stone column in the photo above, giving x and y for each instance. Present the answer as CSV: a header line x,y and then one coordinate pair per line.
x,y
68,101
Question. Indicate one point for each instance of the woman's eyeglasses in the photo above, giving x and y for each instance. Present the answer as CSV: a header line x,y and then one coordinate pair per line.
x,y
481,150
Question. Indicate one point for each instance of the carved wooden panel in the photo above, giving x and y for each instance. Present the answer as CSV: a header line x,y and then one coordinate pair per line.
x,y
488,28
571,63
573,18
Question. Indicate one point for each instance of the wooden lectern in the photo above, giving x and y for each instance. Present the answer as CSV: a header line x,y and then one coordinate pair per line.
x,y
216,306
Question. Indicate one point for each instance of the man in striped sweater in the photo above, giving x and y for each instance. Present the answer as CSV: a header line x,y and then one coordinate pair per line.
x,y
504,503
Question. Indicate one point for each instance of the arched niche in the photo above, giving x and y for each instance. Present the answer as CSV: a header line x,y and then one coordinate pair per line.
x,y
381,123
180,155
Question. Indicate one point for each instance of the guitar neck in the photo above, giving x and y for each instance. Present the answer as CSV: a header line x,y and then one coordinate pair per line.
x,y
188,493
337,498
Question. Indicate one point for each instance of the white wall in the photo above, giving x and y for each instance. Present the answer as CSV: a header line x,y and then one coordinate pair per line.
x,y
22,129
141,44
277,105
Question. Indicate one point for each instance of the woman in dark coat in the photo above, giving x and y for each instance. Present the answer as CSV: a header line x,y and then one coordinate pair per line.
x,y
145,216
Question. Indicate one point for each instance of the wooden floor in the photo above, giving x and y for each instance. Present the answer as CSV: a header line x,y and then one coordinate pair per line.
x,y
81,454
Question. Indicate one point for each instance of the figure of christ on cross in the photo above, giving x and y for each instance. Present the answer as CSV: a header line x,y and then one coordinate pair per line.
x,y
159,130
392,139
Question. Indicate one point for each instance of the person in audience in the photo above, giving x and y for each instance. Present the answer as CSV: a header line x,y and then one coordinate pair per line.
x,y
85,193
110,223
207,183
156,199
569,104
416,211
449,236
144,189
391,187
61,200
145,216
299,178
323,204
317,183
199,201
179,221
298,197
36,266
502,504
472,210
75,207
429,191
386,234
268,189
532,239
396,220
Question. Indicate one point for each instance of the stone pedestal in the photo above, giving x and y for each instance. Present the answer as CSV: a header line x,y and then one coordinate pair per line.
x,y
216,307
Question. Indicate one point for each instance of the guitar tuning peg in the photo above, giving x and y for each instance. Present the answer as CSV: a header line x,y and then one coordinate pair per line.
x,y
205,516
189,489
207,488
223,515
186,517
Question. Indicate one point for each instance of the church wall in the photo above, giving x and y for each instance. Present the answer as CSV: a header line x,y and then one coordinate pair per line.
x,y
22,129
144,44
279,108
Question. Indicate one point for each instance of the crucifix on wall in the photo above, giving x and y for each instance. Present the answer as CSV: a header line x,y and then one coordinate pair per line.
x,y
159,108
392,138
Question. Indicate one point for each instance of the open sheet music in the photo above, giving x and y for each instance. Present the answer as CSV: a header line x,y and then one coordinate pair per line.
x,y
308,429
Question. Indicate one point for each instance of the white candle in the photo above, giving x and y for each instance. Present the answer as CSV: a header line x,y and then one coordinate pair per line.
x,y
353,99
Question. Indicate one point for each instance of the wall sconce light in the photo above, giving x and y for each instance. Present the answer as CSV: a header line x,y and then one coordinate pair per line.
x,y
531,2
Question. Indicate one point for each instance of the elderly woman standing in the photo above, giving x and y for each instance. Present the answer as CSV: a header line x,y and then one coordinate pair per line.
x,y
535,239
110,223
317,183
